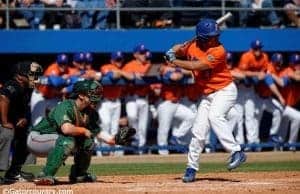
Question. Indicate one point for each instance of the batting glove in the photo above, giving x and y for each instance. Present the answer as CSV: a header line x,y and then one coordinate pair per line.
x,y
170,55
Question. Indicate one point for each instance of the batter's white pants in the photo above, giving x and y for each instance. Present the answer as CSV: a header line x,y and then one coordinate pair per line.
x,y
137,109
212,112
167,111
39,105
292,115
109,112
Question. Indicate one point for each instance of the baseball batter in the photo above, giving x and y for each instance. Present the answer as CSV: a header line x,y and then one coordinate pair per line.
x,y
207,57
70,127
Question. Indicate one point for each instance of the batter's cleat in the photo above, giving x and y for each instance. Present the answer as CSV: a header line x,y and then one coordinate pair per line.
x,y
189,175
86,178
21,176
236,159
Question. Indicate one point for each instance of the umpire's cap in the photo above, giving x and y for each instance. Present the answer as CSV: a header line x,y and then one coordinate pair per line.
x,y
93,89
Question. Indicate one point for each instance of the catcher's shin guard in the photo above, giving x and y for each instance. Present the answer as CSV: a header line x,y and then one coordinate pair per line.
x,y
82,160
63,148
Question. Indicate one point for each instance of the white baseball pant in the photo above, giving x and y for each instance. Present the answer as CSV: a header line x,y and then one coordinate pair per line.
x,y
212,112
167,111
110,112
137,110
292,115
39,105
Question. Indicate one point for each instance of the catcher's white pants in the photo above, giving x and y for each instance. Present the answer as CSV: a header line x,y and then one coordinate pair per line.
x,y
137,109
39,105
290,115
212,112
167,111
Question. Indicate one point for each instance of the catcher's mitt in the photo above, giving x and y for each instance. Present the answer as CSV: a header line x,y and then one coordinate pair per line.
x,y
125,136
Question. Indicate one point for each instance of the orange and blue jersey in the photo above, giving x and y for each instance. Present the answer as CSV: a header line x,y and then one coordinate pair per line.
x,y
114,91
218,75
135,66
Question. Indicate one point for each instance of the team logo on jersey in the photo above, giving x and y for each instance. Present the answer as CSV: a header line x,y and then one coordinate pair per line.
x,y
210,58
66,118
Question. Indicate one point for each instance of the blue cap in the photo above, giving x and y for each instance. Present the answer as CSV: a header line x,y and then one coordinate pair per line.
x,y
229,57
89,57
148,55
62,59
79,57
256,44
140,49
117,55
294,59
277,58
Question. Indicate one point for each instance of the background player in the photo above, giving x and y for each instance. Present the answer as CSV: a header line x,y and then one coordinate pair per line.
x,y
137,105
110,108
207,57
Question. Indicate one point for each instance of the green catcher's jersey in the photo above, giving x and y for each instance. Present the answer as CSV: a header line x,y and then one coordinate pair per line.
x,y
67,112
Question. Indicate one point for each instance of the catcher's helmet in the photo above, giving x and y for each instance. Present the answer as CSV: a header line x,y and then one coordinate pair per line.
x,y
277,58
93,89
207,28
294,59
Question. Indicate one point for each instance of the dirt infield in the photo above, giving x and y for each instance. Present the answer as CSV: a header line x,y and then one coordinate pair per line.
x,y
240,183
228,182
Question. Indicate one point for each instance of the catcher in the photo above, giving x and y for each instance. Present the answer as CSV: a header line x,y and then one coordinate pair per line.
x,y
70,127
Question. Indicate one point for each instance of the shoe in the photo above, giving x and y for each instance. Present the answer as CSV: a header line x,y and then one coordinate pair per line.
x,y
236,159
43,179
174,141
18,177
276,139
87,177
292,148
189,175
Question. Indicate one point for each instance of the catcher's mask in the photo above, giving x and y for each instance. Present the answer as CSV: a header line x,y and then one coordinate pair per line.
x,y
91,88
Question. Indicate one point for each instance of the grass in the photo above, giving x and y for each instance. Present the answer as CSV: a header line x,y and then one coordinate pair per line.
x,y
173,168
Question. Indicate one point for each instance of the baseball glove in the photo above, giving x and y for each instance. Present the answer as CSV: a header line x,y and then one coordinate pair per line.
x,y
125,136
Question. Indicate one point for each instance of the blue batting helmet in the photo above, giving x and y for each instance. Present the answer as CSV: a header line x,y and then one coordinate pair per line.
x,y
294,59
207,28
277,58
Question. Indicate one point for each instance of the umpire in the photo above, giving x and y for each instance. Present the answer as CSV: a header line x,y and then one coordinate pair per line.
x,y
14,112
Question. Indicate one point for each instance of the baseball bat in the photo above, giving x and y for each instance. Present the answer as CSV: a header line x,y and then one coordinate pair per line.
x,y
219,22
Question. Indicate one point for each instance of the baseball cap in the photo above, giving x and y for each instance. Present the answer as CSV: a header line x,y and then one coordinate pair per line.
x,y
277,58
118,55
62,59
148,55
79,57
294,59
89,57
256,44
229,56
140,48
